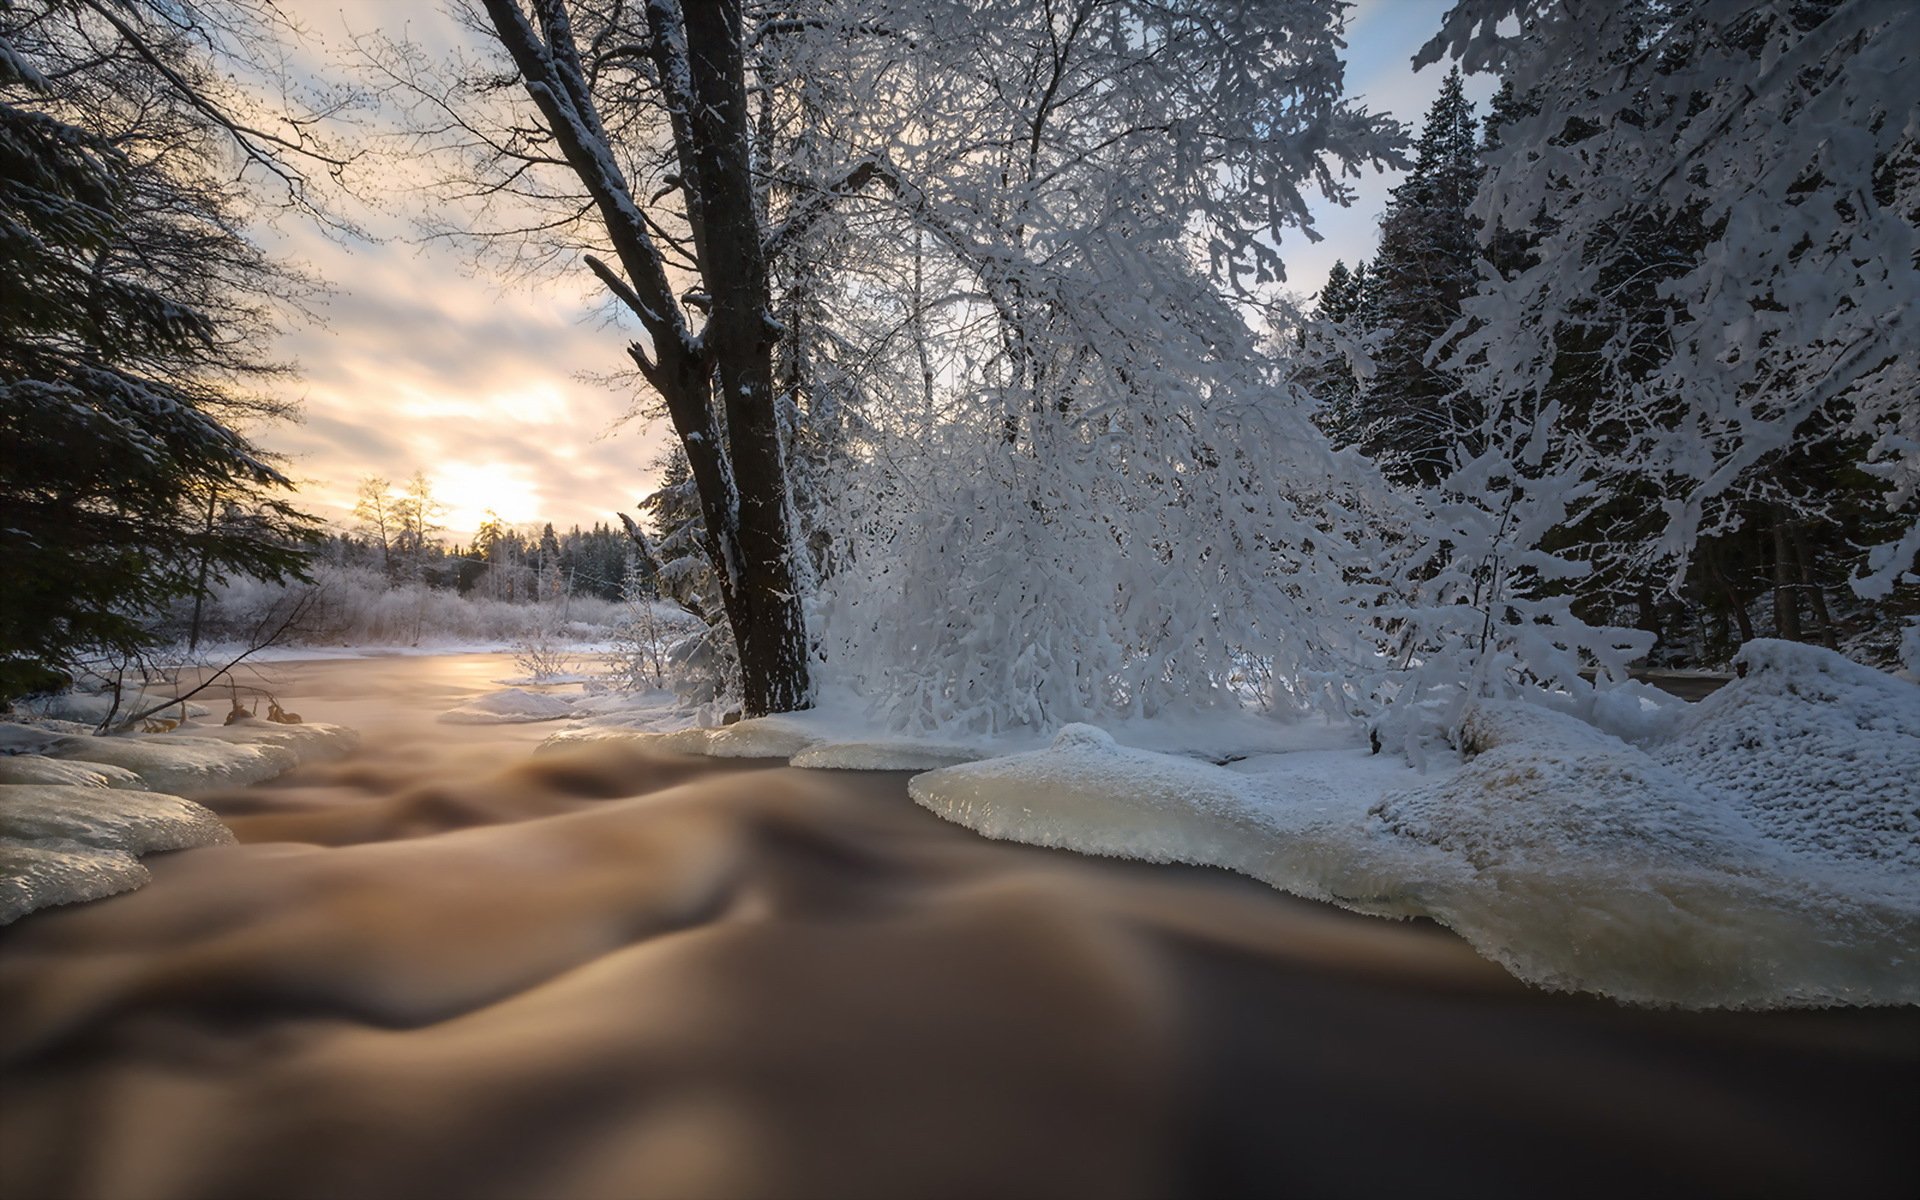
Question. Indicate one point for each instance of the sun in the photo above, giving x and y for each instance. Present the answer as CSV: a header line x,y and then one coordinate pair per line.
x,y
471,490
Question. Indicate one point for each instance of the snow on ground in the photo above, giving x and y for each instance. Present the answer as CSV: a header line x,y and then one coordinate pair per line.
x,y
1757,850
508,707
77,810
61,843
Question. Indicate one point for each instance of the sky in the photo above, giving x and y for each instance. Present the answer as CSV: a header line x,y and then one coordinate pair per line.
x,y
422,360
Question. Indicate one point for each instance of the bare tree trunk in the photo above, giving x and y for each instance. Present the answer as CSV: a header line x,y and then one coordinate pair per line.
x,y
206,565
763,601
1810,583
733,447
1786,605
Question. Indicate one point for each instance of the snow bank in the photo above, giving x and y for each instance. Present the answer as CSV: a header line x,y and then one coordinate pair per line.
x,y
60,844
36,768
197,758
1754,850
1819,752
508,707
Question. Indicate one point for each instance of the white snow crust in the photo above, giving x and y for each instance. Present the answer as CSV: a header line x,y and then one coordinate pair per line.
x,y
203,757
508,707
1754,850
60,844
37,768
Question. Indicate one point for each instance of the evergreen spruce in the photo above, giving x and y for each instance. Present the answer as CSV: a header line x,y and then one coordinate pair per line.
x,y
1414,412
122,487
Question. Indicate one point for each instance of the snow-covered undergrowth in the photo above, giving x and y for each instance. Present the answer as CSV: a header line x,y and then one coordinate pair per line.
x,y
357,607
77,811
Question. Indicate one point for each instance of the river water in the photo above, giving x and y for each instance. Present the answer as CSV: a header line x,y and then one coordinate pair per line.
x,y
443,967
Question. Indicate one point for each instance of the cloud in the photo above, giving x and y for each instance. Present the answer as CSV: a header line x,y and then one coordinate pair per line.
x,y
422,359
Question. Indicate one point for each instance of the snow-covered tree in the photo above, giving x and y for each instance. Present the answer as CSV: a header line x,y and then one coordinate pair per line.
x,y
1119,506
133,312
1785,141
1414,416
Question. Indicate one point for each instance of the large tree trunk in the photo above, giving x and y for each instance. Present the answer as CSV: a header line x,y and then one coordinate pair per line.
x,y
738,464
759,584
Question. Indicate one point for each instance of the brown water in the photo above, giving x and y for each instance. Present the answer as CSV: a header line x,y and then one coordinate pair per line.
x,y
444,968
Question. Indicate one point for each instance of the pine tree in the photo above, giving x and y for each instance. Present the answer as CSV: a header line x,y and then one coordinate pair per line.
x,y
1414,412
680,544
1342,319
113,366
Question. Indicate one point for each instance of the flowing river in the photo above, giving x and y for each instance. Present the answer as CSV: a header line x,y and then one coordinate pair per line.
x,y
445,967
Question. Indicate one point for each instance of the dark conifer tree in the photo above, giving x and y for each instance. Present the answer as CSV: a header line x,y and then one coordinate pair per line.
x,y
122,329
1414,412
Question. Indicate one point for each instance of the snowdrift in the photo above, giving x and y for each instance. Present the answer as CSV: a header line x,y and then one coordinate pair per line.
x,y
1756,851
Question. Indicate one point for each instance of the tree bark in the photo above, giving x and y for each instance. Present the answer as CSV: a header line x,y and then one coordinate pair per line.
x,y
1786,605
738,465
760,589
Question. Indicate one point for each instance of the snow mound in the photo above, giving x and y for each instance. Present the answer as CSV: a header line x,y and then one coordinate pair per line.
x,y
1583,863
37,768
203,757
1820,753
1086,792
782,735
509,707
1547,789
886,754
60,844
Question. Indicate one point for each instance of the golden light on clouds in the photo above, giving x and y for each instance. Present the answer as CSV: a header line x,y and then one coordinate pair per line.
x,y
424,359
471,490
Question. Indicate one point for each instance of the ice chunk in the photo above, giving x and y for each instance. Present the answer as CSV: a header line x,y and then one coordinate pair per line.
x,y
35,875
779,736
137,822
508,707
1571,857
36,768
886,754
199,758
675,741
60,843
1087,793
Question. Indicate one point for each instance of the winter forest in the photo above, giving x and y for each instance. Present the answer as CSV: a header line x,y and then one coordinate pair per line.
x,y
1549,574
